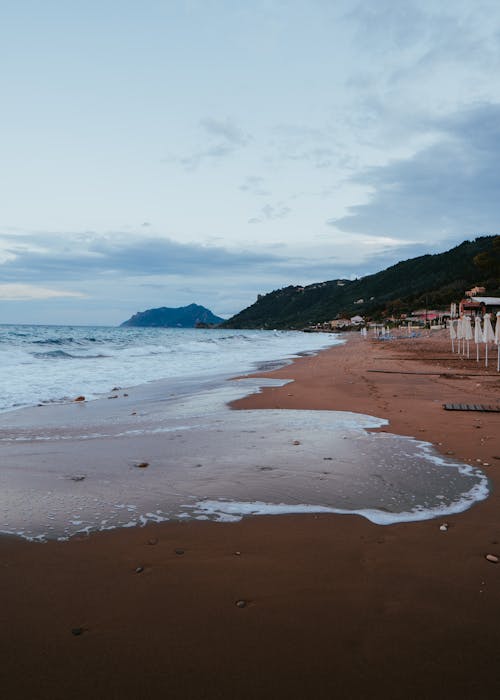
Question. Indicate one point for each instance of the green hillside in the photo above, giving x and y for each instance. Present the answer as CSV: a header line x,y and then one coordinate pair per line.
x,y
430,280
180,317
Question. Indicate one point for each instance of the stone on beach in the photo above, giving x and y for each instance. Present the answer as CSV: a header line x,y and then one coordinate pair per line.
x,y
79,398
492,558
142,465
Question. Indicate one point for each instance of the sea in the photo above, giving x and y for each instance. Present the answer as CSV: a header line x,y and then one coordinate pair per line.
x,y
170,447
43,364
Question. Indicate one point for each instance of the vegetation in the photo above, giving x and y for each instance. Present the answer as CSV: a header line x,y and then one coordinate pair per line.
x,y
429,281
182,317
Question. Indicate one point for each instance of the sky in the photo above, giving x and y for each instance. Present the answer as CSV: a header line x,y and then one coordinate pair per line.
x,y
162,153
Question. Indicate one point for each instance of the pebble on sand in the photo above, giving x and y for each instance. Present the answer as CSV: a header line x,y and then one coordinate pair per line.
x,y
142,465
77,631
139,569
241,603
79,398
296,442
444,527
493,558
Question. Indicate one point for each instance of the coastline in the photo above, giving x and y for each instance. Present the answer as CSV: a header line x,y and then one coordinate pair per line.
x,y
335,605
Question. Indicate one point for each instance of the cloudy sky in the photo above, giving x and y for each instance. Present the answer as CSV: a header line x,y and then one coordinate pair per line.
x,y
159,153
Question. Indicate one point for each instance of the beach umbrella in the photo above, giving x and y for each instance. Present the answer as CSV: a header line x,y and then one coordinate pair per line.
x,y
453,334
497,340
488,335
467,333
460,333
478,335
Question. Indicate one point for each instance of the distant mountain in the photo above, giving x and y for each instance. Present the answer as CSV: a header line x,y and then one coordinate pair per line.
x,y
430,281
181,317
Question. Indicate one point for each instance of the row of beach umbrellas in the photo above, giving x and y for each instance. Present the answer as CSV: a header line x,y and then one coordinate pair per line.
x,y
461,333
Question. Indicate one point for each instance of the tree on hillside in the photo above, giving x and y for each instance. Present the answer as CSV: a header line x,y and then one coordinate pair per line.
x,y
489,261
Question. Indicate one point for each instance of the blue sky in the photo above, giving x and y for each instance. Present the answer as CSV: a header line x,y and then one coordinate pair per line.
x,y
164,153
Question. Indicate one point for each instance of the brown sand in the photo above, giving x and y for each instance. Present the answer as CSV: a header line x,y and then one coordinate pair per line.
x,y
336,607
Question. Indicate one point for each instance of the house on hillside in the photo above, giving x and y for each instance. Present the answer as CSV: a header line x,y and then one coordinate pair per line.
x,y
475,291
340,323
357,320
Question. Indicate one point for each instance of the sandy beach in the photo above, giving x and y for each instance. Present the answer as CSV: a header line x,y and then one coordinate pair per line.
x,y
316,605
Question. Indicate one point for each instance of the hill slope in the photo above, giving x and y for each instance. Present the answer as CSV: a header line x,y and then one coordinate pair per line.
x,y
181,317
429,280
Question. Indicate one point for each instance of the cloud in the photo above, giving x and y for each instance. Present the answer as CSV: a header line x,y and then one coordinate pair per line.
x,y
254,185
29,292
447,191
318,147
47,257
270,212
221,139
225,131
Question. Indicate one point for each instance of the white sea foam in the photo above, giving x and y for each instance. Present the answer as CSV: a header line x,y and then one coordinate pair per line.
x,y
41,364
233,511
71,469
233,464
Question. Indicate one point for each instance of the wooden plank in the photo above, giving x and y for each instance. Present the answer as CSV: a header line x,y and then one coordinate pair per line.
x,y
471,407
444,373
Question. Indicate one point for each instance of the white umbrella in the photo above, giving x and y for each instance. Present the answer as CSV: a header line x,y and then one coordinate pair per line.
x,y
478,335
453,334
460,333
467,332
488,335
497,339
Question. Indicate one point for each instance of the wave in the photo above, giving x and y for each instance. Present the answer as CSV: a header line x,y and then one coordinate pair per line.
x,y
60,354
54,341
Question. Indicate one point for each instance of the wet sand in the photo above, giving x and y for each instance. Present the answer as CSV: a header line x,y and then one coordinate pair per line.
x,y
334,606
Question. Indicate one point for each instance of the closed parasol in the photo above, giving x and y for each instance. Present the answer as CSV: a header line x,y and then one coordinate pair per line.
x,y
478,335
460,333
453,334
488,335
497,339
467,329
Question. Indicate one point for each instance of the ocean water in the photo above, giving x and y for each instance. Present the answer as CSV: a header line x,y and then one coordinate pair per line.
x,y
42,364
68,468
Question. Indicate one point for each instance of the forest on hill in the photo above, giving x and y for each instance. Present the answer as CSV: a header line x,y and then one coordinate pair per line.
x,y
179,317
428,281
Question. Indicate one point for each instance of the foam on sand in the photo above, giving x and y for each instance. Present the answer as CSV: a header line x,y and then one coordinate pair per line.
x,y
72,469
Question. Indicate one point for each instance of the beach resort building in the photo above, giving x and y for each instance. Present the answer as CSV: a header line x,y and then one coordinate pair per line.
x,y
473,305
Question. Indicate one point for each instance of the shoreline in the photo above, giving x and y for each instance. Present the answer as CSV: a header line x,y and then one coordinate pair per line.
x,y
72,469
335,606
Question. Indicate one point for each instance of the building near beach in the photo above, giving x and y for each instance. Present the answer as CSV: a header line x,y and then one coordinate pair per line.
x,y
479,305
